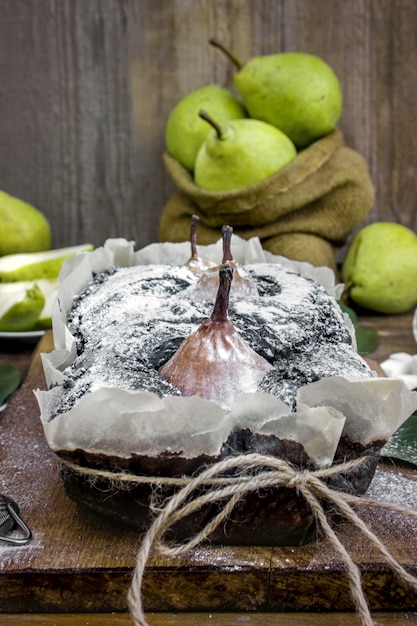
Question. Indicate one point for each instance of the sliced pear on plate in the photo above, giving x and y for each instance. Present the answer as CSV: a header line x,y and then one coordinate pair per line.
x,y
23,311
35,265
19,312
50,290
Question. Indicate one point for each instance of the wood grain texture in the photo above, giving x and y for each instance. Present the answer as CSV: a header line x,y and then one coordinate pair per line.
x,y
65,113
209,619
86,89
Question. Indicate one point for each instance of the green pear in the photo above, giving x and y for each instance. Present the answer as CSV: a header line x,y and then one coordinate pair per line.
x,y
13,293
240,153
185,131
23,228
18,267
20,311
299,93
380,268
49,288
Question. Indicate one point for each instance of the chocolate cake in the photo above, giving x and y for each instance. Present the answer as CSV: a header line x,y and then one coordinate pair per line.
x,y
110,407
129,321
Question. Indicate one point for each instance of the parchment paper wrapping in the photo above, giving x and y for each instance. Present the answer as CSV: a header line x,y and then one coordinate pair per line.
x,y
121,422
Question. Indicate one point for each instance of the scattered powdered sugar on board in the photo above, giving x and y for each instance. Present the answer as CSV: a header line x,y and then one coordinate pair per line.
x,y
395,488
10,554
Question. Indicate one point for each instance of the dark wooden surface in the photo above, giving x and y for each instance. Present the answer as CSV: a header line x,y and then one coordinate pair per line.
x,y
210,619
78,566
86,89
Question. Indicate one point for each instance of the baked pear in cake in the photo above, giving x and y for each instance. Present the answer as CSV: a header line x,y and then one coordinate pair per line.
x,y
195,263
215,362
243,283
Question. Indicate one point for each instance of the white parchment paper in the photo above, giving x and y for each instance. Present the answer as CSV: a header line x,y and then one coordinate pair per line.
x,y
123,422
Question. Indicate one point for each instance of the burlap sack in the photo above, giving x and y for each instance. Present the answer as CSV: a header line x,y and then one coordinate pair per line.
x,y
304,212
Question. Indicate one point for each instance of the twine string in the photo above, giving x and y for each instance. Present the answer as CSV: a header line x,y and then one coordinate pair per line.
x,y
353,572
308,484
349,513
227,482
211,476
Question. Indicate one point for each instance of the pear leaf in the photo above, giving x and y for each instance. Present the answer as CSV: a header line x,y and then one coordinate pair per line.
x,y
403,443
367,337
346,309
10,378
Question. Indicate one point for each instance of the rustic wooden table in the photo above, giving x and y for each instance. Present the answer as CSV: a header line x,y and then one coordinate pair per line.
x,y
77,568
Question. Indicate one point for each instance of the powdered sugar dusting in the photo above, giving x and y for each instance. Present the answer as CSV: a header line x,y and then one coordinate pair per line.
x,y
396,488
128,322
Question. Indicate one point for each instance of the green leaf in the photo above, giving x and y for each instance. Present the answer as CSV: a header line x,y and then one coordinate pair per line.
x,y
9,380
367,338
346,309
403,443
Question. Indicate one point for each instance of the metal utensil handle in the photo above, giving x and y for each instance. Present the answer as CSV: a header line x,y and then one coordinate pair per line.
x,y
11,508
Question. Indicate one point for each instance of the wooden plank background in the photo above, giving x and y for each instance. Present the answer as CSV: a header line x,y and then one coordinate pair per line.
x,y
86,87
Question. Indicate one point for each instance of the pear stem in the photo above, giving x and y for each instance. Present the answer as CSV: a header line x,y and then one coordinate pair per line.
x,y
227,232
221,305
206,117
193,236
237,62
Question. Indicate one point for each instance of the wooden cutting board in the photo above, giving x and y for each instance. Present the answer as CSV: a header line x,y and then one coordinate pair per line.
x,y
79,561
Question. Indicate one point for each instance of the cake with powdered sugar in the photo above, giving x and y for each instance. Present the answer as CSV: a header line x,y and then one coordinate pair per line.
x,y
162,367
128,322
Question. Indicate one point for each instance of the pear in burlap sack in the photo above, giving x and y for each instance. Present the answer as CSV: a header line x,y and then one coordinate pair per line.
x,y
305,211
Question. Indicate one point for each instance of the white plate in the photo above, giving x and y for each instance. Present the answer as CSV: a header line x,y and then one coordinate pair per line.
x,y
30,335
